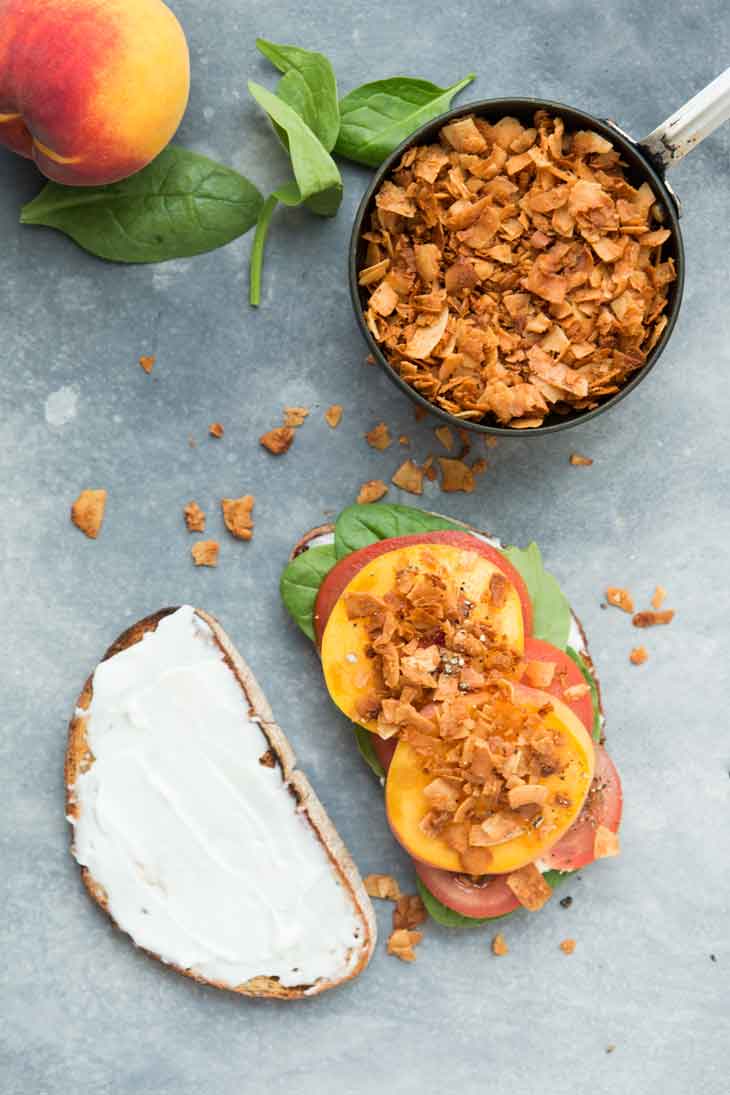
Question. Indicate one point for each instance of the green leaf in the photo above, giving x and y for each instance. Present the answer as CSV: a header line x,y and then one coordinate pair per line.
x,y
300,582
179,205
358,526
442,914
318,181
376,117
364,741
590,681
308,87
550,608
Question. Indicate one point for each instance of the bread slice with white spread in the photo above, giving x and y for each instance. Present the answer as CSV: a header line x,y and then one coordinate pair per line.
x,y
192,826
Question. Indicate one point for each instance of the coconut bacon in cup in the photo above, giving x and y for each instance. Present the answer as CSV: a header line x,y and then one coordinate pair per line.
x,y
515,272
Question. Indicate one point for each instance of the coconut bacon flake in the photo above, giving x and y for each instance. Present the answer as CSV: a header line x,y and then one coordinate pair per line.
x,y
514,272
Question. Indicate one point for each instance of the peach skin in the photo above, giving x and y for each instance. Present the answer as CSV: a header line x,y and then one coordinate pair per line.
x,y
92,90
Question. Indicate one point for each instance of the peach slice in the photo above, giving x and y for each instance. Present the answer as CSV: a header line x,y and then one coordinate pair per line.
x,y
348,671
406,803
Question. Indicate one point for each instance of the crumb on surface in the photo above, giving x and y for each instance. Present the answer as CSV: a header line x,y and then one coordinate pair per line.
x,y
87,512
455,475
409,912
237,515
639,655
499,945
567,946
215,429
333,415
294,416
409,477
402,942
379,437
620,598
278,440
658,597
371,491
383,886
580,461
194,517
652,619
205,553
147,361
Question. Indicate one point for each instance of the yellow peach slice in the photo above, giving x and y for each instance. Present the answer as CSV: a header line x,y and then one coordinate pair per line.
x,y
407,805
348,671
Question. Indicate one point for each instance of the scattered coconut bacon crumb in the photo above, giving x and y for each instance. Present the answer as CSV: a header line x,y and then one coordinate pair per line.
x,y
658,597
513,272
639,655
379,437
372,491
278,440
215,429
620,598
479,466
194,517
401,944
409,476
205,553
445,436
529,887
237,516
651,619
499,945
404,439
567,946
383,886
333,415
294,416
147,361
87,512
409,912
579,461
455,475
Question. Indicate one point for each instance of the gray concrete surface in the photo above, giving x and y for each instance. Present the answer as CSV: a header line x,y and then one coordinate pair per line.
x,y
83,1012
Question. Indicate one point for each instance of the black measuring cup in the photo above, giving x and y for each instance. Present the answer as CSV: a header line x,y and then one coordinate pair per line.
x,y
647,161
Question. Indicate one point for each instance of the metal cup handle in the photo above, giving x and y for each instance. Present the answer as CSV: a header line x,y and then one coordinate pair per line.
x,y
683,130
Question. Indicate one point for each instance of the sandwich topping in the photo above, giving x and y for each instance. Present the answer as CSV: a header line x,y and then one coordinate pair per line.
x,y
200,849
426,646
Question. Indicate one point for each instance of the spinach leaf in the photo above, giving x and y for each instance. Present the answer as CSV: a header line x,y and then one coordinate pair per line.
x,y
300,582
358,526
318,182
550,608
308,87
364,741
376,117
442,914
590,681
179,205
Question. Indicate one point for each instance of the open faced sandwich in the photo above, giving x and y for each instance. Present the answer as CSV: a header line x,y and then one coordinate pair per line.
x,y
472,693
194,829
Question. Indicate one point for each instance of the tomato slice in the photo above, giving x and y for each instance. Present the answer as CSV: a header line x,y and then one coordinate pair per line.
x,y
492,897
603,806
343,572
384,750
567,673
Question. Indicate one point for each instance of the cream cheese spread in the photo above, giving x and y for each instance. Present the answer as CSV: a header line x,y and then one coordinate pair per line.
x,y
204,856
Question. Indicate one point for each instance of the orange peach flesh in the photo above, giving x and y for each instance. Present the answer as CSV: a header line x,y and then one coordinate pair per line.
x,y
406,804
347,668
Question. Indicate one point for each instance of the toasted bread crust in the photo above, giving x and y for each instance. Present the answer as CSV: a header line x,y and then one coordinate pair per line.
x,y
305,540
79,758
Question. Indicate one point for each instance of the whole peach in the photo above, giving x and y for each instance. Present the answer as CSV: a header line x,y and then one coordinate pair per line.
x,y
92,90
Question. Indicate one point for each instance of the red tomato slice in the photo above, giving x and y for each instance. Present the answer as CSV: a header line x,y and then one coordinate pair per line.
x,y
343,572
384,750
603,806
567,673
493,897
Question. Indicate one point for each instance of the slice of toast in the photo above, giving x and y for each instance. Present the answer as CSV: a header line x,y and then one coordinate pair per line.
x,y
147,897
324,534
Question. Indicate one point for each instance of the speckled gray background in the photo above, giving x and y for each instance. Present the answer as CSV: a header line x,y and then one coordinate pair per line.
x,y
82,1012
